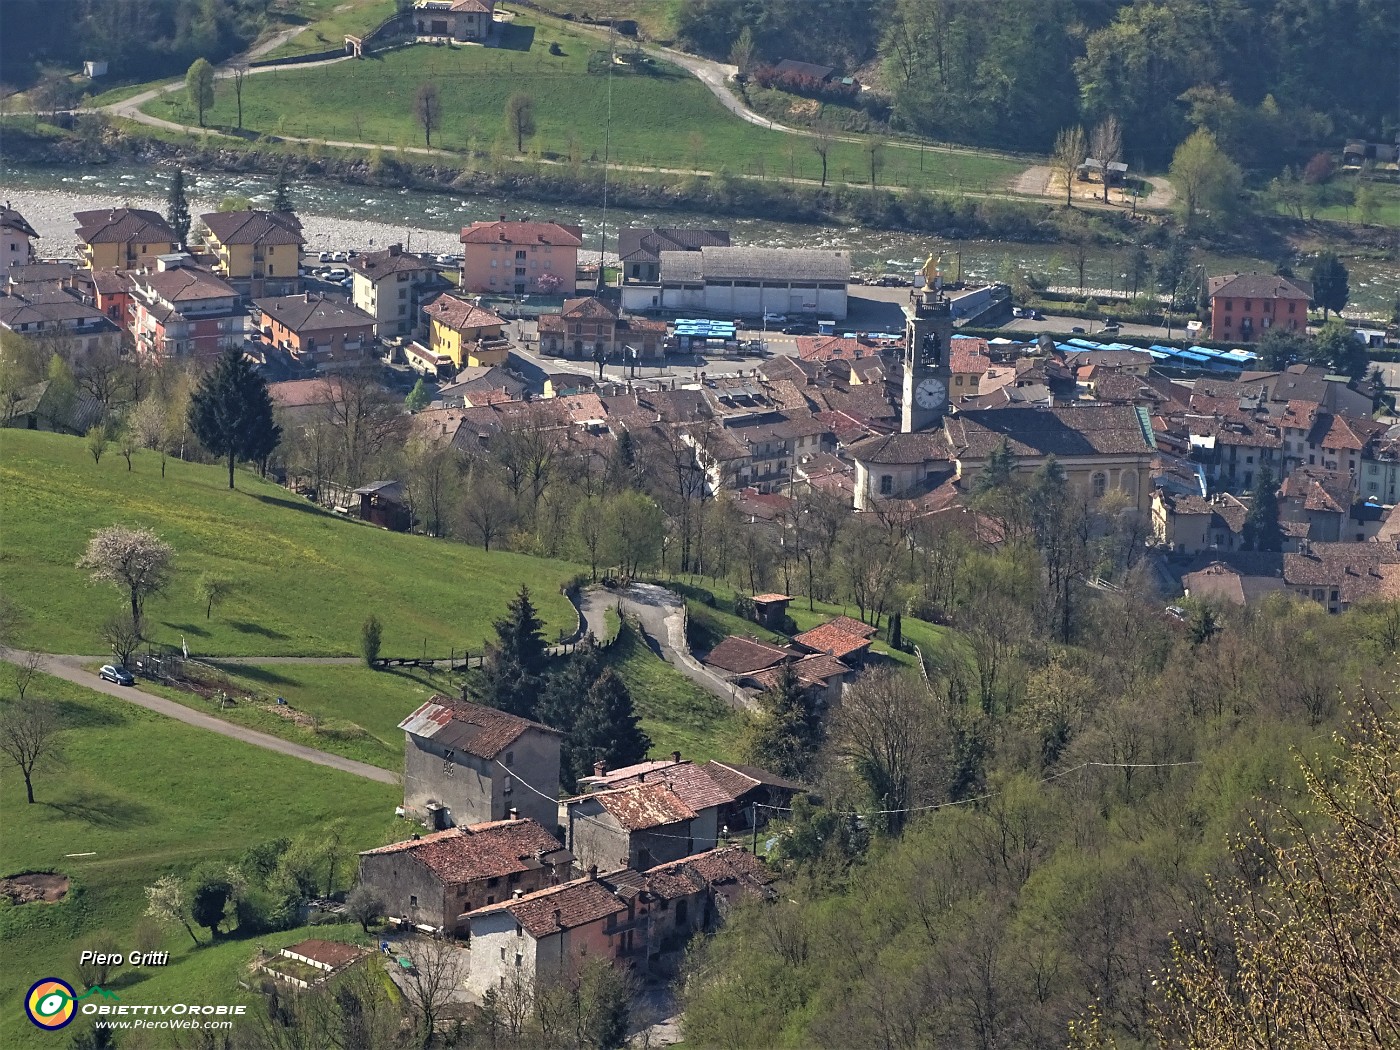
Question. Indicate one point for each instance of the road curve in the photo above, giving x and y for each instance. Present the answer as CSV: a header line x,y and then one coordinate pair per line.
x,y
71,670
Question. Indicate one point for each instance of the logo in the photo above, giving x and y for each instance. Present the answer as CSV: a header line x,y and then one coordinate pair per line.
x,y
51,1003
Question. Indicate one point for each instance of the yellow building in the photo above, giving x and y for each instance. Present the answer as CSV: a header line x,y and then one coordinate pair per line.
x,y
261,249
123,238
465,332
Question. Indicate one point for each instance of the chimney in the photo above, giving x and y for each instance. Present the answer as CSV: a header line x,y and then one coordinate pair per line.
x,y
675,756
517,894
395,249
514,813
503,216
599,768
592,871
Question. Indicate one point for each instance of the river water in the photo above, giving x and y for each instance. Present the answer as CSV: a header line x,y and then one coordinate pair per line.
x,y
340,216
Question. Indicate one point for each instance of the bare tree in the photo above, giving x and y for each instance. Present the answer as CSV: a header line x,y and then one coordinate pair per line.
x,y
875,150
26,667
122,637
520,118
135,561
487,510
439,968
237,76
368,419
427,110
29,737
821,146
1070,149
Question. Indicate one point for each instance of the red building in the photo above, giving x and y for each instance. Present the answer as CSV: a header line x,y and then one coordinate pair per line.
x,y
1243,305
184,311
316,330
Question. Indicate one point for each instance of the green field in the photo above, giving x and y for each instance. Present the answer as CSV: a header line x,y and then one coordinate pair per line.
x,y
1341,209
662,117
304,579
146,796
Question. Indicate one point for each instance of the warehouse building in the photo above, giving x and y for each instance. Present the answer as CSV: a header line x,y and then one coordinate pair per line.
x,y
748,282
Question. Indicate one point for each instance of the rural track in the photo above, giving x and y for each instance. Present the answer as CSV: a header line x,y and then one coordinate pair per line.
x,y
70,669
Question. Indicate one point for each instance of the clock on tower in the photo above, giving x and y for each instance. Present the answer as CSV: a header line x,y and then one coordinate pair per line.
x,y
928,331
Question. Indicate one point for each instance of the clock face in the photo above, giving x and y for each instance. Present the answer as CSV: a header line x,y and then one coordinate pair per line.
x,y
930,393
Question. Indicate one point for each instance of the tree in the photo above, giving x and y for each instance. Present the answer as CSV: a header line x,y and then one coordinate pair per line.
x,y
1106,144
1139,267
1330,283
281,196
634,531
821,146
875,150
199,87
427,110
487,509
788,731
97,440
1070,150
371,633
238,76
1261,530
122,636
1367,201
231,412
419,398
1172,265
99,948
589,531
211,590
177,208
1278,348
520,118
29,737
26,669
439,967
210,892
1336,345
1205,178
1303,946
997,472
166,902
606,727
135,561
520,635
741,54
364,905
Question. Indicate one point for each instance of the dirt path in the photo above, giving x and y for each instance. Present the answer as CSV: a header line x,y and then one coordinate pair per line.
x,y
70,669
662,616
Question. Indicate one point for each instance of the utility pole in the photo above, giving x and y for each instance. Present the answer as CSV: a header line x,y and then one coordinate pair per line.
x,y
753,811
607,150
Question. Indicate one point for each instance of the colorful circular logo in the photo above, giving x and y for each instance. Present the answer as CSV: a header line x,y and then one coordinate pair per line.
x,y
50,1004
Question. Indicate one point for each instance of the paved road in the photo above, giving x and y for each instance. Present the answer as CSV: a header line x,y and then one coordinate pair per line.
x,y
662,615
70,669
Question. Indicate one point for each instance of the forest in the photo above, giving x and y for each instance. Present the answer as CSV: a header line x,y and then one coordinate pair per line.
x,y
1253,72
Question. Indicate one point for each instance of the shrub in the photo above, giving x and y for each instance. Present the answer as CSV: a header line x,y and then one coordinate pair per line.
x,y
804,85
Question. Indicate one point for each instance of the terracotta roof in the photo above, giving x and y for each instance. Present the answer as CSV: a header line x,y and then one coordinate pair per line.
x,y
107,281
589,308
1063,432
1224,583
254,227
481,731
692,784
745,655
643,805
391,260
556,908
723,866
832,348
969,356
832,640
765,598
816,669
1319,489
334,954
313,313
123,226
460,314
186,284
638,244
481,851
1258,286
1342,432
301,393
523,233
851,625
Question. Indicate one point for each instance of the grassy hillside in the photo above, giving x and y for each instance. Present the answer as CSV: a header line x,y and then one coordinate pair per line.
x,y
662,117
328,22
145,796
304,579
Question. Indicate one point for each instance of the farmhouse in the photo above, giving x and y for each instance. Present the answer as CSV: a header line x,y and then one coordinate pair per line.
x,y
639,825
462,764
460,20
434,880
748,282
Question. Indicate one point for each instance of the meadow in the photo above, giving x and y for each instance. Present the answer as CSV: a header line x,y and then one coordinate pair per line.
x,y
304,580
137,796
662,117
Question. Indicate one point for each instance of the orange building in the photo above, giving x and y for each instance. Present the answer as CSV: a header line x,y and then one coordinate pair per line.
x,y
1243,305
521,258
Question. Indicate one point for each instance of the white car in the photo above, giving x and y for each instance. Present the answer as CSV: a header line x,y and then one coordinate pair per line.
x,y
336,274
324,257
339,257
774,318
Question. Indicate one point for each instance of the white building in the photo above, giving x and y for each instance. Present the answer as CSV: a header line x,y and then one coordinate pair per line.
x,y
747,282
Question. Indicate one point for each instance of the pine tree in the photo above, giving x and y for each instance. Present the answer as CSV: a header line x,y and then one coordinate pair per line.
x,y
281,198
997,471
1262,531
606,728
177,210
788,731
1330,281
515,662
231,412
419,398
561,699
519,635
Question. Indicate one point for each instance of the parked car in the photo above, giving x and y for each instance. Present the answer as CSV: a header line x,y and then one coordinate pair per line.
x,y
800,329
339,257
1111,326
1036,315
1077,330
117,674
774,318
324,257
336,274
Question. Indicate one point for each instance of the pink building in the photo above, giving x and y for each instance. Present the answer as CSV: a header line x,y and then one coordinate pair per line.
x,y
521,258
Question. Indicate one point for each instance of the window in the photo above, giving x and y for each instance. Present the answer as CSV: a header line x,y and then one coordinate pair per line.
x,y
519,930
403,293
886,484
510,758
1227,305
1099,482
518,958
1249,459
503,953
493,264
413,900
1292,306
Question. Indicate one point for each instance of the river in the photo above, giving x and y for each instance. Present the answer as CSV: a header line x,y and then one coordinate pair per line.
x,y
338,216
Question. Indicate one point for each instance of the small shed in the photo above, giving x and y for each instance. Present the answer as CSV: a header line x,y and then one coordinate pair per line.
x,y
382,503
770,610
309,963
93,70
805,69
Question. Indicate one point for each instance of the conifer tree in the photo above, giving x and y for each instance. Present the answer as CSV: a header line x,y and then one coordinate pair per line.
x,y
281,199
997,471
788,731
515,661
231,412
606,727
177,211
1262,531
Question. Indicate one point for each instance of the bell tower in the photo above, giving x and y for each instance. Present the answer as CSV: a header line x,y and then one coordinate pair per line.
x,y
928,332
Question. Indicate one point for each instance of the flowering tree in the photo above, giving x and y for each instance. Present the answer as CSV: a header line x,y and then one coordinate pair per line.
x,y
135,561
549,283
